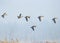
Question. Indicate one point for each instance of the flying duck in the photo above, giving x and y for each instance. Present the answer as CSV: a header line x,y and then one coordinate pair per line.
x,y
40,18
3,15
27,17
54,19
20,16
33,27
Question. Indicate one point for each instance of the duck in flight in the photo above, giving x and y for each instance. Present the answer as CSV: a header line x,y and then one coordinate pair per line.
x,y
33,27
20,16
54,19
27,17
3,15
40,18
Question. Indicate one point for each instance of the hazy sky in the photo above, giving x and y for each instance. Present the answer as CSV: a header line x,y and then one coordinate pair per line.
x,y
11,27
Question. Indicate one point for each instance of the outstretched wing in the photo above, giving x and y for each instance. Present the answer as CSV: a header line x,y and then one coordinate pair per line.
x,y
39,18
2,16
54,20
26,19
32,28
20,15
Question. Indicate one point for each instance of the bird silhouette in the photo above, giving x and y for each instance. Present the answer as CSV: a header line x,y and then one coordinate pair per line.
x,y
40,18
3,15
20,16
33,27
27,17
54,19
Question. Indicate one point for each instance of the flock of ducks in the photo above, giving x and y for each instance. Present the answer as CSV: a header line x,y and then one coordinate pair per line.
x,y
28,17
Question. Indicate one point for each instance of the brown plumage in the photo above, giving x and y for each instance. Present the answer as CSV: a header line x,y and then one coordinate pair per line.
x,y
27,17
20,16
40,18
33,27
3,15
54,19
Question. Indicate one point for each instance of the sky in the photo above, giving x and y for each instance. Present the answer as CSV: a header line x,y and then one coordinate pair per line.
x,y
12,27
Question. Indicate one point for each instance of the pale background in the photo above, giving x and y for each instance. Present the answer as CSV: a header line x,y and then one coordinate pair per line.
x,y
11,27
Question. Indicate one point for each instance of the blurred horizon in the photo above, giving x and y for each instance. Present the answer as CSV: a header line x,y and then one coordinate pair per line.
x,y
11,27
